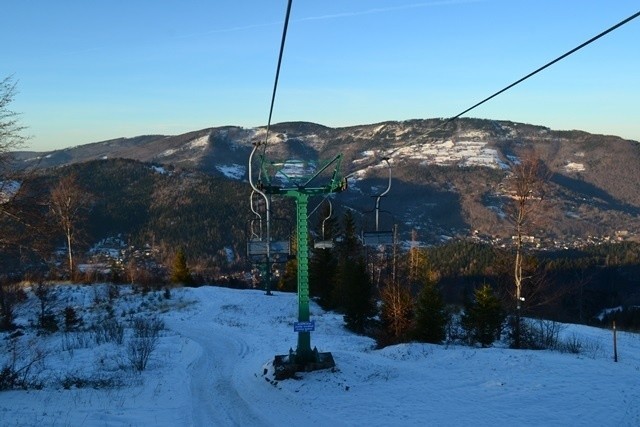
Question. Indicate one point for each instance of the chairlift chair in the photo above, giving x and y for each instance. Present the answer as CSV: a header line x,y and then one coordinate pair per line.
x,y
379,237
325,243
257,246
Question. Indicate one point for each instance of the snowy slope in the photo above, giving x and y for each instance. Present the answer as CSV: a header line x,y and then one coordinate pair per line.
x,y
213,367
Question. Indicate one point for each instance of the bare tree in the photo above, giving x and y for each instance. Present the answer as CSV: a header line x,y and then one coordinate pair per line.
x,y
19,210
10,139
526,186
396,313
10,128
69,204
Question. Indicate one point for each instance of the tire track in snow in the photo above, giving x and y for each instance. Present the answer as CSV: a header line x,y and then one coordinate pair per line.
x,y
215,399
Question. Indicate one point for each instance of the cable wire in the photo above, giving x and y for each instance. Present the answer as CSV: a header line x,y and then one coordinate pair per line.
x,y
275,83
451,119
591,40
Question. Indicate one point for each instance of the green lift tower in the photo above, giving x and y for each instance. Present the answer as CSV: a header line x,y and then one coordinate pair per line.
x,y
300,180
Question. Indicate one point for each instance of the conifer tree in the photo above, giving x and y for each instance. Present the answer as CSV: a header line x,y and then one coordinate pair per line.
x,y
349,251
431,316
353,292
322,276
323,266
180,272
359,304
483,317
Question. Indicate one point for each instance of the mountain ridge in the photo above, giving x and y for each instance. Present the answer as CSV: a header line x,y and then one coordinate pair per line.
x,y
447,177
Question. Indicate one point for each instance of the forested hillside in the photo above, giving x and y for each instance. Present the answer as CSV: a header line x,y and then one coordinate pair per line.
x,y
149,197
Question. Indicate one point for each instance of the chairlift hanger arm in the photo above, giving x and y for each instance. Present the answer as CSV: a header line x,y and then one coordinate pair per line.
x,y
378,197
327,218
384,193
253,208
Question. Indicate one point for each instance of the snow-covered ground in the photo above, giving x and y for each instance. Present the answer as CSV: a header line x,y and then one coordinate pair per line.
x,y
213,367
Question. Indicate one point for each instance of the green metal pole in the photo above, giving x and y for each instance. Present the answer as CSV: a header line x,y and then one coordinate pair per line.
x,y
303,352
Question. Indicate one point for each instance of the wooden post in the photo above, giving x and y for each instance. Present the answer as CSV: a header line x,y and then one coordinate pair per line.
x,y
615,343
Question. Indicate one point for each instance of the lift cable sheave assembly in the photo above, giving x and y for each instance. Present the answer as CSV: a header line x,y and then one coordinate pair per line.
x,y
299,180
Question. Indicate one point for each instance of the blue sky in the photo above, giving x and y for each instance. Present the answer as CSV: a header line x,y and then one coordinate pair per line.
x,y
89,71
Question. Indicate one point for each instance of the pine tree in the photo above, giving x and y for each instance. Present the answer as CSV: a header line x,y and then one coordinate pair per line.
x,y
431,315
180,273
323,268
322,276
349,253
353,292
483,317
359,305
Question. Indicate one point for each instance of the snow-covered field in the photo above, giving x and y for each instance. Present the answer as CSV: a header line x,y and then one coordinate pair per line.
x,y
213,367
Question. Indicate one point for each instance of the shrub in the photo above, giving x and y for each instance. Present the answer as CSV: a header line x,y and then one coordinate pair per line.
x,y
573,344
10,296
48,323
75,340
8,378
113,292
22,369
46,298
74,381
536,334
146,333
108,330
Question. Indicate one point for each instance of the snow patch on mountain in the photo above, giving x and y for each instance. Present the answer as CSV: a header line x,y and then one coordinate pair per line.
x,y
465,153
167,153
233,171
196,144
201,142
8,189
574,167
159,169
274,137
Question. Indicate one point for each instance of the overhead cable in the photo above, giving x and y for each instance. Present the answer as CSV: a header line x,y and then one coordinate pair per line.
x,y
275,83
591,40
